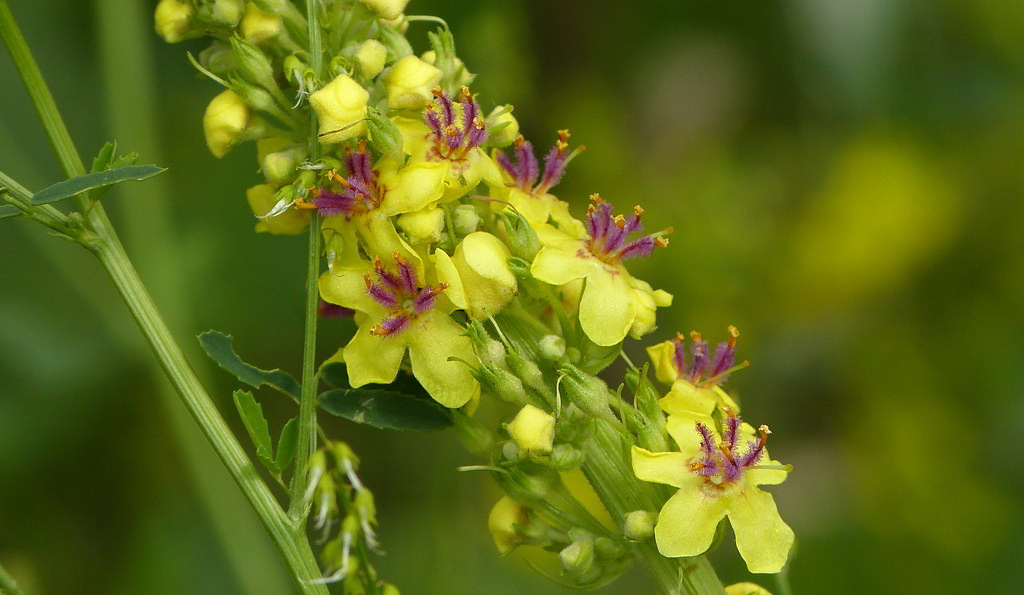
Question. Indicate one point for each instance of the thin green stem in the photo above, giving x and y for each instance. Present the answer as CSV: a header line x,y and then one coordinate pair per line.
x,y
297,507
107,247
7,584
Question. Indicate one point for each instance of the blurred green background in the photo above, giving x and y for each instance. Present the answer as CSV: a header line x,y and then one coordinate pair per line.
x,y
845,179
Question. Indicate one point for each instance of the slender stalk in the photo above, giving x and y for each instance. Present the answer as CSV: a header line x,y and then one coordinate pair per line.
x,y
107,247
297,507
7,584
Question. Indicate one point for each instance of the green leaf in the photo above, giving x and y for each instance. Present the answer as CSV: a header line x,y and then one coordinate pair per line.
x,y
102,160
9,211
220,348
252,416
287,444
386,409
100,179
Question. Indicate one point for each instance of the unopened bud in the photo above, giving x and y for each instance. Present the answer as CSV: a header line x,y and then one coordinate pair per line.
x,y
533,430
587,392
397,45
173,20
224,121
253,64
578,556
387,9
423,226
279,166
370,57
293,64
504,521
384,135
639,525
365,506
607,548
340,107
566,457
218,58
521,238
465,219
502,126
255,97
227,12
262,200
259,26
510,452
410,82
552,347
502,383
529,373
746,589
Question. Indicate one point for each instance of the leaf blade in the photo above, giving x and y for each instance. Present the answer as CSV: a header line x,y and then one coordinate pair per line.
x,y
256,425
386,409
9,211
220,348
91,181
287,444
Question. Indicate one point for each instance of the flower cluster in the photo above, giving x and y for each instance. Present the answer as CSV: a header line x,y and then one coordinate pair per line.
x,y
445,243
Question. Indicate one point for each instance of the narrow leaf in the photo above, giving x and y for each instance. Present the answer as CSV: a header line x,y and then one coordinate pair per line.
x,y
220,348
386,409
252,416
102,160
287,444
80,184
9,211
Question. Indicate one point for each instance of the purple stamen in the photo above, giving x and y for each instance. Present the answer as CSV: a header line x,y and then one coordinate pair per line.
x,y
722,461
381,295
699,364
410,283
359,192
610,233
391,325
732,426
455,129
696,371
399,292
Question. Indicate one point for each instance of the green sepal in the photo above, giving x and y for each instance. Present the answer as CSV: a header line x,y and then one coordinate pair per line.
x,y
100,179
287,444
252,416
220,348
386,409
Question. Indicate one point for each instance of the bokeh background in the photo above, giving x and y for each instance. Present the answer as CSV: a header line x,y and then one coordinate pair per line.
x,y
845,179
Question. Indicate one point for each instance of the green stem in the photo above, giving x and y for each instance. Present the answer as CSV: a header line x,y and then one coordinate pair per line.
x,y
7,584
107,247
297,507
611,477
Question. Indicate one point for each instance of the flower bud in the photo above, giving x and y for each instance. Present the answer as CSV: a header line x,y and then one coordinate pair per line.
x,y
340,106
502,522
410,82
227,12
521,238
397,45
510,452
364,506
387,9
481,260
533,429
224,121
639,525
552,347
370,57
566,457
502,126
502,383
588,392
218,58
531,375
385,137
279,167
578,556
465,219
746,589
173,20
423,226
259,26
253,64
293,64
607,548
255,97
262,199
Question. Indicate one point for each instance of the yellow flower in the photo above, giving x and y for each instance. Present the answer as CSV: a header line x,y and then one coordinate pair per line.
x,y
259,26
397,314
340,107
173,20
261,199
227,12
503,125
530,196
278,158
370,57
423,226
224,121
608,307
451,136
387,9
505,515
478,278
717,477
409,83
695,383
533,430
648,300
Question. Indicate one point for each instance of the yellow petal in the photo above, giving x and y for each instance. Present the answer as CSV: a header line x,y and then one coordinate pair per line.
x,y
684,398
414,136
683,429
762,537
373,359
409,83
505,515
262,199
346,287
534,209
423,226
560,265
482,263
607,308
383,241
433,338
663,361
746,589
413,187
340,107
686,525
566,222
670,468
447,273
533,430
